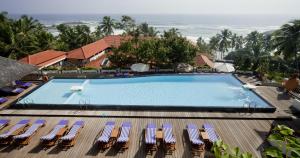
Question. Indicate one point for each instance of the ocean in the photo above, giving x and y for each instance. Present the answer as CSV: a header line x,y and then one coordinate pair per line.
x,y
190,26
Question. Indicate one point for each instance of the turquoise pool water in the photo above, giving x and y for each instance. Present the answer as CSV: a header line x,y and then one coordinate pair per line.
x,y
211,90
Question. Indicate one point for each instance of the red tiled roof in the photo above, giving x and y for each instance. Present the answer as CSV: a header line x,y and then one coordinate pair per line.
x,y
202,60
89,50
116,40
45,58
96,63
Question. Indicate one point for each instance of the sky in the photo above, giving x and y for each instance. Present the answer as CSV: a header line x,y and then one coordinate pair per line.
x,y
286,7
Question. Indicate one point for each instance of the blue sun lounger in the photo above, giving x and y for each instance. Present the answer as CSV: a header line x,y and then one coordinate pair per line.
x,y
212,135
7,137
124,136
150,138
23,84
105,140
194,136
3,123
23,139
69,139
57,132
3,100
6,91
168,137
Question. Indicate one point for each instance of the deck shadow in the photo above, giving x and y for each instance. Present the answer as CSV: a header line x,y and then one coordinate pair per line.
x,y
37,149
94,149
111,151
141,151
9,148
186,144
57,149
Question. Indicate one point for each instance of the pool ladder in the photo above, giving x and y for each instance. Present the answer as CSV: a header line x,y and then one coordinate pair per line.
x,y
83,103
26,102
250,107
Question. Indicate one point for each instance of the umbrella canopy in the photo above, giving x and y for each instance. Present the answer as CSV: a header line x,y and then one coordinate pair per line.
x,y
11,70
224,67
140,67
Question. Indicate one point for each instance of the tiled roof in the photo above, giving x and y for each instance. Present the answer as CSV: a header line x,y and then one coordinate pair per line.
x,y
89,50
115,40
96,63
45,58
202,60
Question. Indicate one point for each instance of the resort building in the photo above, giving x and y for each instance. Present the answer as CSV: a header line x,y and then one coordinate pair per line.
x,y
94,54
45,59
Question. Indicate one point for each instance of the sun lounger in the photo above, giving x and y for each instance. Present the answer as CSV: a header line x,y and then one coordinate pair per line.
x,y
197,144
23,84
105,140
7,137
24,139
3,100
69,139
3,123
6,91
212,135
57,132
150,138
169,138
123,140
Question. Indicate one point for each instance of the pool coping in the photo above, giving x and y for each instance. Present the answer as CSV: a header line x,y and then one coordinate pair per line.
x,y
249,109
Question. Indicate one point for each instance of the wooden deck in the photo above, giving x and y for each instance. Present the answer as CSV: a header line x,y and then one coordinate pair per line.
x,y
12,99
245,130
249,135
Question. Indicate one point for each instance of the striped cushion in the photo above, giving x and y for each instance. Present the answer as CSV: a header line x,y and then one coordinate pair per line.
x,y
11,131
124,137
16,127
106,133
3,122
212,135
168,135
71,135
29,132
150,137
53,133
194,136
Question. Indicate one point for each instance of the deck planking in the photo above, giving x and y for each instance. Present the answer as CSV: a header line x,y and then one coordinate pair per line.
x,y
249,135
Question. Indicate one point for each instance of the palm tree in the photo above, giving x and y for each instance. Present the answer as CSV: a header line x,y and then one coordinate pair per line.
x,y
287,39
127,24
237,42
20,37
147,30
254,43
225,41
107,25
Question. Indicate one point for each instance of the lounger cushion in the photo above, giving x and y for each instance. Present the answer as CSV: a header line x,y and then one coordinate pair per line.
x,y
19,125
168,135
53,133
151,134
124,136
4,122
194,134
3,100
71,135
212,135
31,129
106,132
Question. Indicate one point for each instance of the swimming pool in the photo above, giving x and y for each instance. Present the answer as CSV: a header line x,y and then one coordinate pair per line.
x,y
191,92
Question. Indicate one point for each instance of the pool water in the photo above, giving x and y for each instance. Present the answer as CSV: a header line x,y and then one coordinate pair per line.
x,y
218,90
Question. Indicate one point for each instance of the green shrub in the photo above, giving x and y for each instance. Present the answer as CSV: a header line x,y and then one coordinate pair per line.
x,y
222,150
